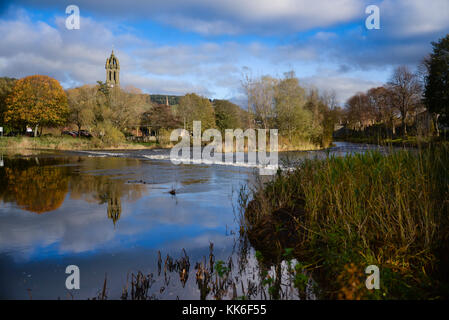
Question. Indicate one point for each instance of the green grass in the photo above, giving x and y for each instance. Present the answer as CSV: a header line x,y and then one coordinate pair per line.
x,y
342,214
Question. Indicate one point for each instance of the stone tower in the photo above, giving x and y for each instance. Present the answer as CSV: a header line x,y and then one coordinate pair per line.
x,y
112,71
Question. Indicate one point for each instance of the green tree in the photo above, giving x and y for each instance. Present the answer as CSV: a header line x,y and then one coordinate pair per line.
x,y
36,101
103,88
229,115
195,108
436,93
284,104
162,99
292,118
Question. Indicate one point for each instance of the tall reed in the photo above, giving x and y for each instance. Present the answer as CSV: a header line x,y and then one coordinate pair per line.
x,y
345,213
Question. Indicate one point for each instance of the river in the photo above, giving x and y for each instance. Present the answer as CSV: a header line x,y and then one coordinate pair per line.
x,y
112,215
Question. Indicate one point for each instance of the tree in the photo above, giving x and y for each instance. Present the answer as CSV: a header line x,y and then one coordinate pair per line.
x,y
247,87
358,111
195,108
406,90
36,101
261,95
436,94
6,87
126,108
332,115
229,115
292,118
381,103
160,116
118,109
314,105
82,102
284,104
103,88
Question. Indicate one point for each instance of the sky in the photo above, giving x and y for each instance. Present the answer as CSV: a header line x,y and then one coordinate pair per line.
x,y
206,46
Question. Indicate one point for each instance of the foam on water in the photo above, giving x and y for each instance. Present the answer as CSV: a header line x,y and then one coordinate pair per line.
x,y
185,160
340,149
212,162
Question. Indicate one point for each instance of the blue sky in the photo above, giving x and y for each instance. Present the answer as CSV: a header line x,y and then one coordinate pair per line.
x,y
203,46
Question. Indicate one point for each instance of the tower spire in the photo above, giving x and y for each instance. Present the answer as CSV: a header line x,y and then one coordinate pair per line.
x,y
112,70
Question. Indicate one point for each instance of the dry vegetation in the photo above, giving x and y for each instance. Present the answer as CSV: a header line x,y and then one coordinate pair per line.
x,y
340,215
63,143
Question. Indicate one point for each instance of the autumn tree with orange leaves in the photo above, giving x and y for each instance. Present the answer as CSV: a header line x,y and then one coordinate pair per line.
x,y
36,101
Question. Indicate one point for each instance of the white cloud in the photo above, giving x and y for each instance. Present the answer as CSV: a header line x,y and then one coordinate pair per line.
x,y
210,68
262,16
344,87
406,18
78,57
230,17
227,16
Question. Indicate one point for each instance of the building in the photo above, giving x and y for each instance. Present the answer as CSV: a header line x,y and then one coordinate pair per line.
x,y
112,71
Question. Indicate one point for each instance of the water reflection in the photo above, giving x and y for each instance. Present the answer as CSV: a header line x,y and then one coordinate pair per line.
x,y
41,185
34,185
115,215
105,215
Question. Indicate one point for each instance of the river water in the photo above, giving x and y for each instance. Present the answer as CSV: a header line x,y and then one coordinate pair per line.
x,y
112,215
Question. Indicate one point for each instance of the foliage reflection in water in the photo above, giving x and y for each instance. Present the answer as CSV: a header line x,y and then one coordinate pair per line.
x,y
53,209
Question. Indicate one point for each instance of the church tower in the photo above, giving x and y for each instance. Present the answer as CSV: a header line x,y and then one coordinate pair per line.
x,y
112,71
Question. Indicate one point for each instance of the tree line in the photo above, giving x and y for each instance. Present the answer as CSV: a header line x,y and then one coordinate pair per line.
x,y
417,101
110,114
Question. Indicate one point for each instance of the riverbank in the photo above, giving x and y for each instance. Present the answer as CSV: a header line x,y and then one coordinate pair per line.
x,y
66,143
408,142
339,215
69,144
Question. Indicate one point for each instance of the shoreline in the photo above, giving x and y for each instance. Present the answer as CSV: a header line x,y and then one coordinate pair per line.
x,y
8,144
410,142
18,144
